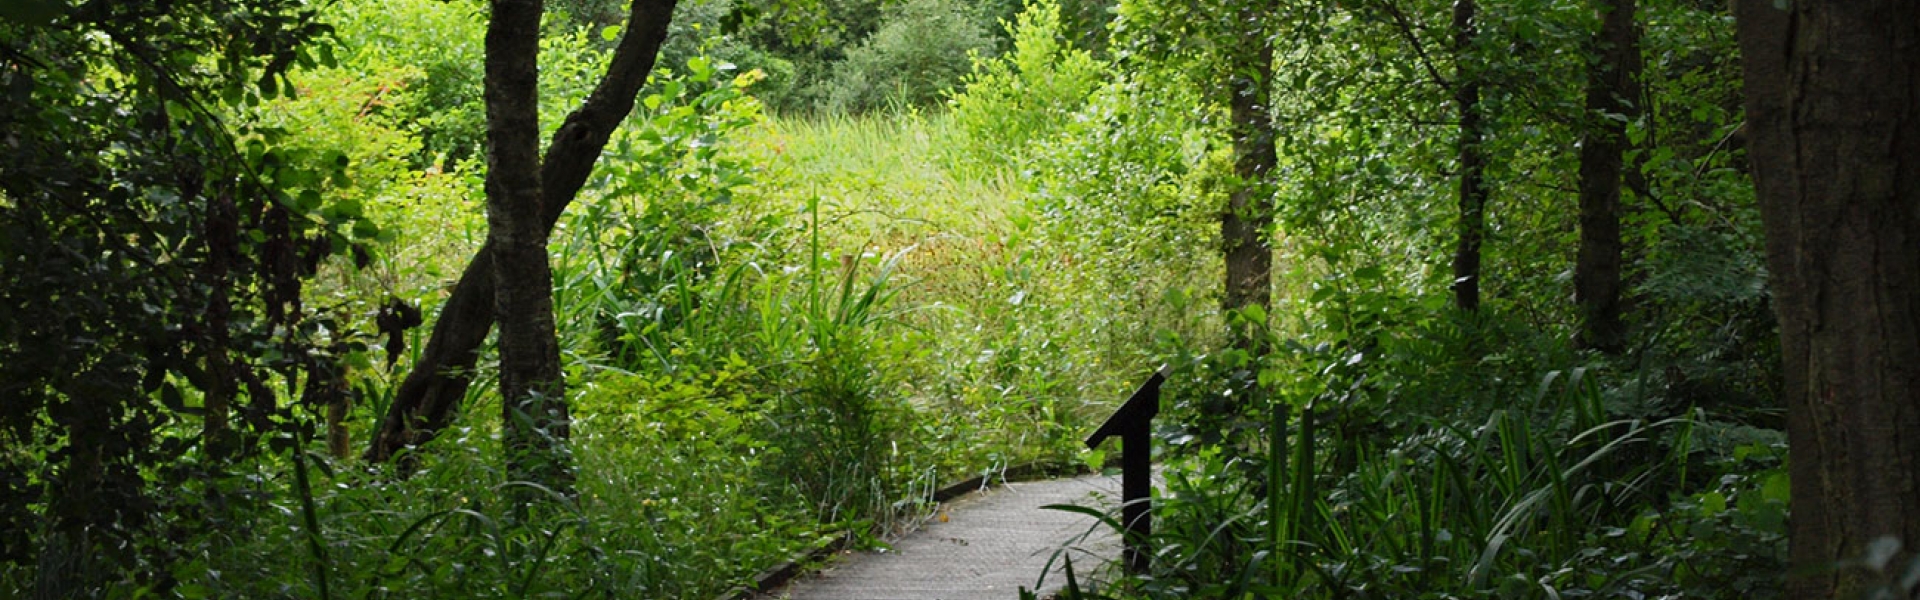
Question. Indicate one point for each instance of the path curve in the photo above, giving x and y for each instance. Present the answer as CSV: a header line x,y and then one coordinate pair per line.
x,y
990,544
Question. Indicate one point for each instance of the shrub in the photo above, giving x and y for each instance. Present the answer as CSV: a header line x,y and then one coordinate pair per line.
x,y
1026,95
920,51
442,41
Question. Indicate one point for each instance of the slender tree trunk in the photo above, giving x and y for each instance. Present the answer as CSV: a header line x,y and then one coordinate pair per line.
x,y
1472,159
1612,98
221,232
1833,103
425,401
338,442
1249,214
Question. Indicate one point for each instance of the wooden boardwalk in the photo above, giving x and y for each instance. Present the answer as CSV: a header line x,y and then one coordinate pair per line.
x,y
990,544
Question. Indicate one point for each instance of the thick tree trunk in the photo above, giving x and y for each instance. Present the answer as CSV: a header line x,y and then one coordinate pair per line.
x,y
1833,102
1249,214
534,416
1612,94
1472,159
426,400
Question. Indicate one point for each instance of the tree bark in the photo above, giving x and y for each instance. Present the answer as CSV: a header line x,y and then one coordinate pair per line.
x,y
1249,214
1833,104
1612,93
425,401
534,417
1472,158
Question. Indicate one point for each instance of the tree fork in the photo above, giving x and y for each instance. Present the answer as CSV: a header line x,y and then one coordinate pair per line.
x,y
425,402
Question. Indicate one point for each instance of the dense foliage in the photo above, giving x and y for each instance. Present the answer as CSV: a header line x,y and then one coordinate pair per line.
x,y
845,251
156,237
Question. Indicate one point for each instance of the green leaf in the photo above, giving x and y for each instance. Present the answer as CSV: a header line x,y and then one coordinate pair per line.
x,y
699,65
610,33
1713,503
348,208
1777,487
307,201
1254,313
255,150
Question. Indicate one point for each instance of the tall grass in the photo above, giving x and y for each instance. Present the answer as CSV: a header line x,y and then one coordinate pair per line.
x,y
656,518
885,178
1009,368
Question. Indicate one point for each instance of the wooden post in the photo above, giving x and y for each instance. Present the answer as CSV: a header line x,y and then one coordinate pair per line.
x,y
1133,423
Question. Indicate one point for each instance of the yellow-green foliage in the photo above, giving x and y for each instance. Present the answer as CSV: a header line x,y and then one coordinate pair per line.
x,y
1006,366
1028,94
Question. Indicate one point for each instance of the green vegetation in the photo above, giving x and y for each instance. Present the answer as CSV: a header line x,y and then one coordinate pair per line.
x,y
843,252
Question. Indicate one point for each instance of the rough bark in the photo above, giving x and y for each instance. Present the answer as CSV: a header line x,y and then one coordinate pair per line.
x,y
425,401
534,419
1833,104
1472,160
1612,90
1249,213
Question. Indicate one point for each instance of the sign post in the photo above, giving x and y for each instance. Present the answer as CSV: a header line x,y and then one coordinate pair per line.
x,y
1133,423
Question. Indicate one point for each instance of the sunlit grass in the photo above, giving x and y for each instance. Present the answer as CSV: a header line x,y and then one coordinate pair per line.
x,y
883,178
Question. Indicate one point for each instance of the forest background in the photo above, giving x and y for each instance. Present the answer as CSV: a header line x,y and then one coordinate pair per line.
x,y
1460,299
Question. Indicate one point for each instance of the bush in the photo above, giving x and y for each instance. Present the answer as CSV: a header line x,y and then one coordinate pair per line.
x,y
1029,94
921,49
442,43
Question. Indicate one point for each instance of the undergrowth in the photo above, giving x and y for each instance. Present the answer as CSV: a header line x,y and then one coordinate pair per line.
x,y
781,330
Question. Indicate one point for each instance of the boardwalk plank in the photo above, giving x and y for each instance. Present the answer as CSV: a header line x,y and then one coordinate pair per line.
x,y
991,544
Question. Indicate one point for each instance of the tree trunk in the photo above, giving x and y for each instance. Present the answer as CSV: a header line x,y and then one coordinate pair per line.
x,y
1249,214
534,419
222,233
426,400
1612,95
1473,160
1833,103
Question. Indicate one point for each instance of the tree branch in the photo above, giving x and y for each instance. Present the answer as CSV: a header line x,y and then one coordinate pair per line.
x,y
426,399
1413,39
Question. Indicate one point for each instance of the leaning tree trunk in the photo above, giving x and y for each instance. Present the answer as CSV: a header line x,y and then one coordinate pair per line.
x,y
1833,105
1472,159
1612,93
425,401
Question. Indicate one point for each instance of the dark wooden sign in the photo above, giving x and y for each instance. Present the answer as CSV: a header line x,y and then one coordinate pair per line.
x,y
1133,423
